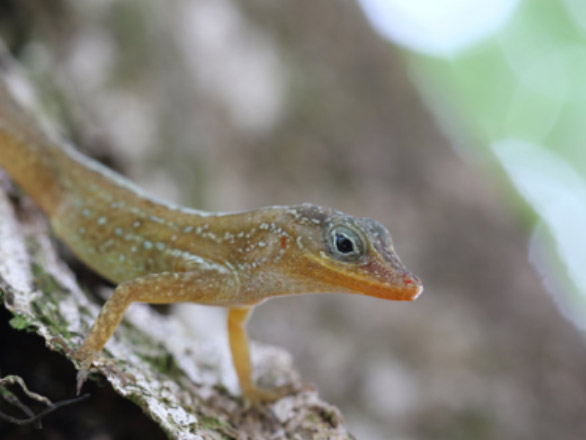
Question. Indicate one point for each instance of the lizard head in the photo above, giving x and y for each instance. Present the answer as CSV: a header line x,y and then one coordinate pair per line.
x,y
350,254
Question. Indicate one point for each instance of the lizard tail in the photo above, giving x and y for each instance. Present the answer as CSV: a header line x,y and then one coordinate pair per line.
x,y
26,153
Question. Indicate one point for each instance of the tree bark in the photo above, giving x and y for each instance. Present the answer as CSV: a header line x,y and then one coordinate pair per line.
x,y
184,382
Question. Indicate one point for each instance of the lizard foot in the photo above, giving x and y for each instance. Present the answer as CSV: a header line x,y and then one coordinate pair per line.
x,y
258,397
87,360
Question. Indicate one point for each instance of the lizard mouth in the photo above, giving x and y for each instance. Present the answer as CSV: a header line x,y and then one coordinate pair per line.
x,y
407,288
389,283
376,278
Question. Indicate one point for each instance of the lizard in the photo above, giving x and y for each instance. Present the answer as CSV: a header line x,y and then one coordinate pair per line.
x,y
160,253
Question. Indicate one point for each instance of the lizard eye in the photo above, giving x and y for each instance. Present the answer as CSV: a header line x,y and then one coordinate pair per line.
x,y
345,243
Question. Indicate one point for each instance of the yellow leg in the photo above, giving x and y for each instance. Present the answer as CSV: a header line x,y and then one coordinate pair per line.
x,y
108,320
237,318
164,288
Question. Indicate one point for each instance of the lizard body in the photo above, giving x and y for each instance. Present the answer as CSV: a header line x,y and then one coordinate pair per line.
x,y
158,252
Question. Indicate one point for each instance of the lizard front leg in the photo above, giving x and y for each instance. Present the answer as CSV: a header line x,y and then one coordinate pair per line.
x,y
205,286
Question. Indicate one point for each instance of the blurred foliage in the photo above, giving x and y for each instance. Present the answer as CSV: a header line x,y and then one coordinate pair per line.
x,y
518,100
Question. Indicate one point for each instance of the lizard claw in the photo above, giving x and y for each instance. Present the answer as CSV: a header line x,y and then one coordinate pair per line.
x,y
81,378
258,397
123,377
86,362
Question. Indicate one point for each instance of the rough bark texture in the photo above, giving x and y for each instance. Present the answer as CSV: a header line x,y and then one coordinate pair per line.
x,y
225,104
177,378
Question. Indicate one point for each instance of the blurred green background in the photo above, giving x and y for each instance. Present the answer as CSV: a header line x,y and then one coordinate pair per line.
x,y
515,98
227,105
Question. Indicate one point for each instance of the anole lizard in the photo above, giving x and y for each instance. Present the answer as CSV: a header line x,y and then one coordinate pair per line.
x,y
162,253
